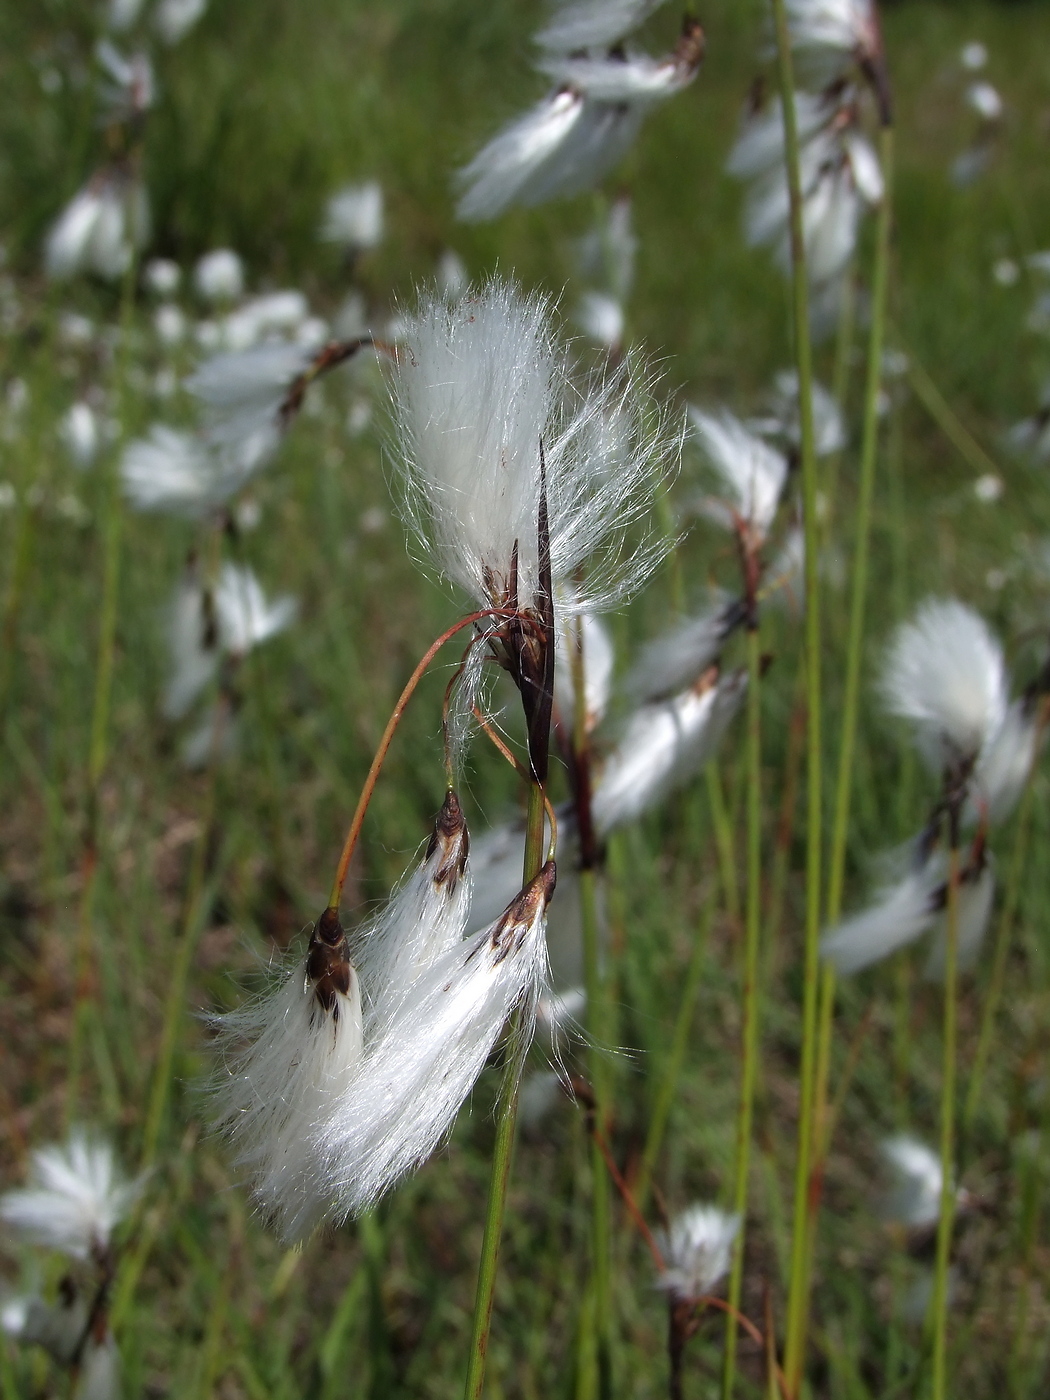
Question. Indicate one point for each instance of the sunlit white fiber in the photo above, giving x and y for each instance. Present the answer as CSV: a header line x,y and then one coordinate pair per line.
x,y
662,746
601,317
915,1200
99,230
175,18
99,1374
944,672
193,646
593,24
354,216
676,658
976,895
591,636
984,99
76,1197
274,316
637,78
516,159
759,148
287,1061
424,920
242,394
751,472
79,431
244,617
421,1067
697,1250
830,35
174,471
608,251
477,387
559,1012
219,275
1006,760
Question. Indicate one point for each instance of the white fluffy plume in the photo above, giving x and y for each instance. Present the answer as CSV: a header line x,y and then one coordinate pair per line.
x,y
663,745
676,658
751,473
478,387
944,672
697,1250
424,1062
593,24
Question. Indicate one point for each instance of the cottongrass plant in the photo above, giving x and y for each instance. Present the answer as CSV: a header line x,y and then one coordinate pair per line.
x,y
76,1199
697,1250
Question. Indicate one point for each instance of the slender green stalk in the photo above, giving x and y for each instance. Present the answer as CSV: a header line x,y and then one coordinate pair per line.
x,y
797,1302
840,380
751,998
851,697
939,409
723,826
22,557
939,1310
1003,930
503,1148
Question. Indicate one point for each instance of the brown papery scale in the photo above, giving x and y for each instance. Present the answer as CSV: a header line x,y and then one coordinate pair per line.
x,y
451,838
328,964
509,934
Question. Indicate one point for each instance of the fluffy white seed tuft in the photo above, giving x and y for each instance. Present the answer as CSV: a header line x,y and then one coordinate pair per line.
x,y
697,1250
915,1200
593,24
751,473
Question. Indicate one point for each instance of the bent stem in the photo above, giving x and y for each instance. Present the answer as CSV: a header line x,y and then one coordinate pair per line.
x,y
939,1311
851,699
753,923
797,1309
503,1149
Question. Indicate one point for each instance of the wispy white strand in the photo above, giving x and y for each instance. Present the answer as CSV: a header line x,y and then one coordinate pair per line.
x,y
751,473
593,24
676,659
697,1250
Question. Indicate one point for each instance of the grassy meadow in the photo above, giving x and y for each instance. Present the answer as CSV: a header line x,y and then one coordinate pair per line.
x,y
263,110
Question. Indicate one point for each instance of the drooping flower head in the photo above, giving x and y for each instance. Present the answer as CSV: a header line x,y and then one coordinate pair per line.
x,y
832,35
76,1197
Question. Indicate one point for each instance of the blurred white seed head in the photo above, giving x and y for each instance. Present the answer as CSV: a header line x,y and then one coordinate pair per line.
x,y
607,253
678,657
81,433
58,1327
973,56
601,318
193,644
751,474
175,18
915,1198
99,230
944,671
976,895
1004,766
590,635
76,1197
219,275
985,100
593,24
662,746
162,276
242,394
354,216
100,1370
244,617
128,89
829,428
173,471
697,1250
830,36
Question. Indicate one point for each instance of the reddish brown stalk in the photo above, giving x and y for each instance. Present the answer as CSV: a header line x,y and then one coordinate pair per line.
x,y
628,1199
384,745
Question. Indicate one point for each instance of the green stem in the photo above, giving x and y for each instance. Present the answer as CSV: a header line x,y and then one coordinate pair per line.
x,y
851,698
947,420
840,379
503,1148
723,841
600,1221
939,1315
1002,950
751,998
797,1308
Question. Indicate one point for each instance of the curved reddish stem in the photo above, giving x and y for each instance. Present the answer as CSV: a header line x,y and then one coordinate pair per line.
x,y
385,742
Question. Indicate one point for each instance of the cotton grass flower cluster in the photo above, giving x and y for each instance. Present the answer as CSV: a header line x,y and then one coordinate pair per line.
x,y
101,228
945,673
581,130
352,1069
697,1249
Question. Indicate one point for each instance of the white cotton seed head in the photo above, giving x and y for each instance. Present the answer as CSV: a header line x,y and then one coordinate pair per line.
x,y
915,1200
354,216
662,746
418,1071
607,253
601,318
944,671
638,78
58,1327
593,24
975,898
100,1368
697,1250
173,471
424,920
590,636
288,1059
99,229
193,644
829,429
676,659
244,617
514,167
830,35
478,387
1003,768
751,473
76,1197
242,393
81,433
175,18
900,914
219,275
